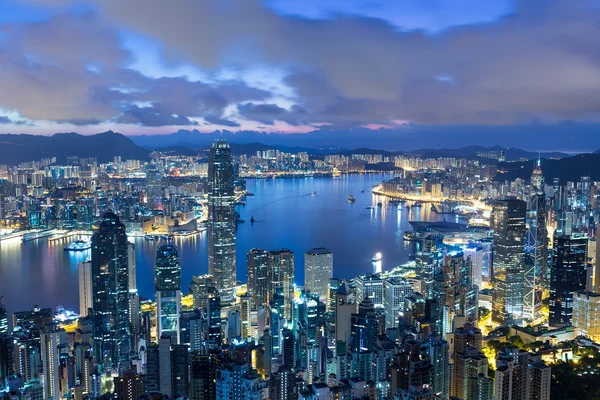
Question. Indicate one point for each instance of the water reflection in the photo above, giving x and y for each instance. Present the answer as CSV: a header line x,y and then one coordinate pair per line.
x,y
286,215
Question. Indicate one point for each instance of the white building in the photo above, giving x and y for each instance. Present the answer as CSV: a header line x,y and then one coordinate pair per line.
x,y
318,270
396,292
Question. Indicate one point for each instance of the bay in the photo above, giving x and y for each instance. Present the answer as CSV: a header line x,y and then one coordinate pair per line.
x,y
287,215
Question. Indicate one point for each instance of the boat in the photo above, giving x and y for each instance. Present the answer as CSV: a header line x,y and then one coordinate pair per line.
x,y
79,245
249,194
370,208
362,191
252,220
379,204
351,199
313,193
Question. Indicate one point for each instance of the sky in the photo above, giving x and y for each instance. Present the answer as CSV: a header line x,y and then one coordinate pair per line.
x,y
144,67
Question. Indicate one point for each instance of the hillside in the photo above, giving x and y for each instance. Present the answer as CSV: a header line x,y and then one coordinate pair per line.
x,y
103,146
565,169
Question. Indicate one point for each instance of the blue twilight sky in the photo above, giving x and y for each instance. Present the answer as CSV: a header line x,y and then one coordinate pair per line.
x,y
296,66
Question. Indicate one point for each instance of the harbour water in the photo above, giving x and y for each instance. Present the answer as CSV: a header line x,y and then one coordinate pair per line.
x,y
287,215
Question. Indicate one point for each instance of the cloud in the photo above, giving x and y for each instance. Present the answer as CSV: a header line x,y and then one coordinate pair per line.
x,y
151,116
339,72
211,119
536,64
72,69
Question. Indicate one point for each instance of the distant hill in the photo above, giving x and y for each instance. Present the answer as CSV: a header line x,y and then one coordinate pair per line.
x,y
103,146
470,152
566,169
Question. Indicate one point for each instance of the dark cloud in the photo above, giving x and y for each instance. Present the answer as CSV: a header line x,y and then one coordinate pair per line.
x,y
6,120
150,116
71,69
539,64
212,120
536,64
269,113
82,122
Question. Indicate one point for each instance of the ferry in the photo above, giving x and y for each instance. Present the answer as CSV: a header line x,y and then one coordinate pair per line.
x,y
79,245
351,199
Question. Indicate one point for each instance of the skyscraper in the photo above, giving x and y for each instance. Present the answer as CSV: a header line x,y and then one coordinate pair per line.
x,y
110,291
129,386
50,341
167,285
282,267
537,247
568,274
259,276
154,191
318,270
508,262
85,287
221,219
397,290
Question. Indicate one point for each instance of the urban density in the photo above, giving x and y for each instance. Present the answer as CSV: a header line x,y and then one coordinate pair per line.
x,y
300,200
484,309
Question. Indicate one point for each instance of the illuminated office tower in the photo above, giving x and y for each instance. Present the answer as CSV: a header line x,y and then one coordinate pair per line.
x,y
568,274
586,314
110,292
85,287
282,267
318,270
221,219
534,278
167,285
475,253
201,287
508,261
259,276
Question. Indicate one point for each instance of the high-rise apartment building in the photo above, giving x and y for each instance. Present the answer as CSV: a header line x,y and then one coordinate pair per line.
x,y
222,219
85,287
508,261
521,375
50,342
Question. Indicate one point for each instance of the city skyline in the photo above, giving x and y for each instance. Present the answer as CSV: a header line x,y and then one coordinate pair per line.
x,y
299,200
